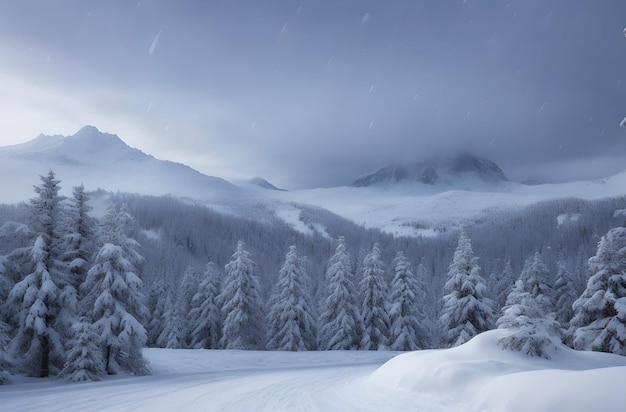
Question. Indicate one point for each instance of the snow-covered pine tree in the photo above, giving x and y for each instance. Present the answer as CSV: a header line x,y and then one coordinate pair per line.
x,y
503,283
113,296
205,316
427,305
374,302
155,306
78,248
84,359
242,309
173,325
6,364
528,313
291,318
599,322
188,287
5,284
466,309
35,299
339,320
406,331
564,293
37,342
5,288
80,241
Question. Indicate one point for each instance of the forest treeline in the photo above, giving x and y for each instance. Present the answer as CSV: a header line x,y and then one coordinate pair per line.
x,y
87,281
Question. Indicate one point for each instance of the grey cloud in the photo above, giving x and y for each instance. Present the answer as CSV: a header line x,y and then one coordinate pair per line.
x,y
313,93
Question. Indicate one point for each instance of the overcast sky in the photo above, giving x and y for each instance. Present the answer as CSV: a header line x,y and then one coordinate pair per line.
x,y
318,92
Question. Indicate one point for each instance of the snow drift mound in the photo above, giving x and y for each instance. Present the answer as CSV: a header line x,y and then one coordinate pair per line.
x,y
481,376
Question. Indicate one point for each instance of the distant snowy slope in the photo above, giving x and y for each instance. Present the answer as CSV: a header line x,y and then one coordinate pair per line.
x,y
413,208
102,160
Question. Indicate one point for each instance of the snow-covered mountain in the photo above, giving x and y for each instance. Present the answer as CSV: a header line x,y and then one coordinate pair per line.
x,y
103,161
451,172
423,199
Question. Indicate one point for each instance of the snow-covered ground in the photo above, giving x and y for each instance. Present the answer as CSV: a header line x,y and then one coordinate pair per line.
x,y
477,376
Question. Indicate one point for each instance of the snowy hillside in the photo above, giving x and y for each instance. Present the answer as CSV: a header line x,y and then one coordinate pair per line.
x,y
473,377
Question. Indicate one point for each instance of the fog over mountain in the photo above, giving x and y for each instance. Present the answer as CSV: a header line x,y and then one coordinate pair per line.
x,y
435,172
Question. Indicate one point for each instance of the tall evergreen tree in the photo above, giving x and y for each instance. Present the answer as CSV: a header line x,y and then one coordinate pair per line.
x,y
339,320
374,302
564,292
156,308
35,299
427,303
205,316
466,309
528,313
242,309
114,299
291,317
534,279
503,283
172,335
599,321
406,332
189,285
6,364
80,241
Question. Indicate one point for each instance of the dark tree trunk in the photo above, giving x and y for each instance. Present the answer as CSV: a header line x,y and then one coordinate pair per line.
x,y
44,370
107,357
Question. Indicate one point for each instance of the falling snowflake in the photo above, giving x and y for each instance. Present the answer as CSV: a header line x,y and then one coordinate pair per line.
x,y
154,43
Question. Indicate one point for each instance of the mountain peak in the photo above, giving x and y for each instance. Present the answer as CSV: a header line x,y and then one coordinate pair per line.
x,y
87,130
259,181
437,172
93,135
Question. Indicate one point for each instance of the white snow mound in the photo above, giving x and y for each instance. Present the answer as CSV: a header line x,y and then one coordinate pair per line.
x,y
483,377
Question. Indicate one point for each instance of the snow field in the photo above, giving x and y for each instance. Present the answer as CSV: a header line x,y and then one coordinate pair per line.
x,y
476,376
226,380
484,377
